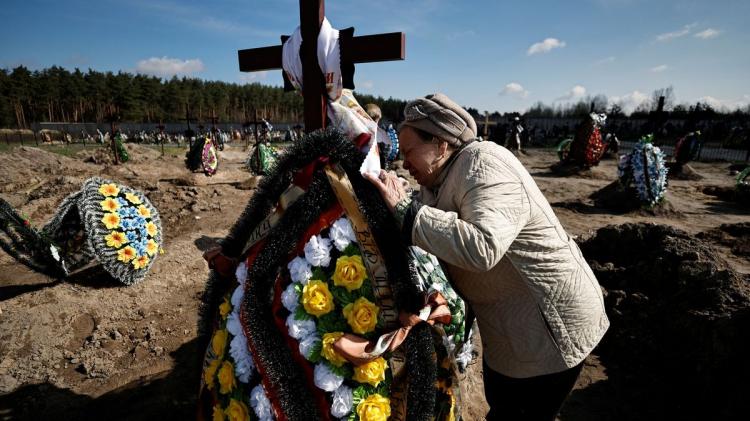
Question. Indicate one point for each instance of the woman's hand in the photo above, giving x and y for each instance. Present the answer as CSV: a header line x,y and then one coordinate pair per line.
x,y
390,186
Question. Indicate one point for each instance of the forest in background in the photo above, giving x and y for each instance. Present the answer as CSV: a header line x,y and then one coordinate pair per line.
x,y
56,94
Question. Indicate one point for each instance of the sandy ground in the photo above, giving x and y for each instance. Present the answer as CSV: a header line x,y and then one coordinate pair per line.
x,y
91,350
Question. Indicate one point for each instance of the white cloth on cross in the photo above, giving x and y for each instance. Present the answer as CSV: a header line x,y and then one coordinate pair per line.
x,y
343,109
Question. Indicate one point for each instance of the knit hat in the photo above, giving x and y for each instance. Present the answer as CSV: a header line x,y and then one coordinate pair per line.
x,y
440,116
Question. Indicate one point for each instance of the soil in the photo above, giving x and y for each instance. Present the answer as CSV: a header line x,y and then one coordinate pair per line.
x,y
87,349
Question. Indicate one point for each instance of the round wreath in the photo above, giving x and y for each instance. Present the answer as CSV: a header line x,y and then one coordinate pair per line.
x,y
645,168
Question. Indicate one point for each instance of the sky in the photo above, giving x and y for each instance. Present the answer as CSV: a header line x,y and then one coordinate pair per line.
x,y
489,55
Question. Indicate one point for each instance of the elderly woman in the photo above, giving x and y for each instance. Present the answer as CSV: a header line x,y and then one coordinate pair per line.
x,y
538,305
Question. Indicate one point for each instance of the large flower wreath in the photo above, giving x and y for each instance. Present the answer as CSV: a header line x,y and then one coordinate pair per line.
x,y
644,167
302,334
587,147
105,224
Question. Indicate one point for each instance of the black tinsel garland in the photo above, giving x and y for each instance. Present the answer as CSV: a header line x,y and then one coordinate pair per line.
x,y
296,402
25,244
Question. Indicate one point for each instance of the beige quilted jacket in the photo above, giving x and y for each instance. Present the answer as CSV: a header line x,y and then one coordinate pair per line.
x,y
539,307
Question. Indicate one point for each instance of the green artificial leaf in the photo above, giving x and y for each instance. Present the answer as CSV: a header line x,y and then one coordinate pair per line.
x,y
298,287
331,322
351,250
344,371
301,314
319,274
343,296
315,352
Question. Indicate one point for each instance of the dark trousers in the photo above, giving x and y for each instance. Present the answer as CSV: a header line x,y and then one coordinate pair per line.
x,y
534,399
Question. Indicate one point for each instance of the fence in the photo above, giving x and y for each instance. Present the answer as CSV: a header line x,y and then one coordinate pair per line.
x,y
707,153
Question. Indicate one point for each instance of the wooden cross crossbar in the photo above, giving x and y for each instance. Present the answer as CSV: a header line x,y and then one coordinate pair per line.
x,y
365,49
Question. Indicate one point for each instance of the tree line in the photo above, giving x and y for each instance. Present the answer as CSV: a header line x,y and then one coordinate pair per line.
x,y
56,94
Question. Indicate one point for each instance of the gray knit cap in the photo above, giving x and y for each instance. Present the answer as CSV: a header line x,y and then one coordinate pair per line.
x,y
440,116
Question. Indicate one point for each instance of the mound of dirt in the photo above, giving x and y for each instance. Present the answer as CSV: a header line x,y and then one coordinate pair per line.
x,y
566,170
621,199
677,346
103,155
734,236
683,172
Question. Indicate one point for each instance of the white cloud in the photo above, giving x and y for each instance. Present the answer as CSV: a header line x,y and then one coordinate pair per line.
x,y
669,36
708,34
366,85
253,76
629,102
607,60
660,68
576,92
166,67
726,104
545,46
514,89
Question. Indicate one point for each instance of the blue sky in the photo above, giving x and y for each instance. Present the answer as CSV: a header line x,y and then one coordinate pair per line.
x,y
491,55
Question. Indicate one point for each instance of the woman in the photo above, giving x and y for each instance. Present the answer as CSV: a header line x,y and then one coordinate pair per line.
x,y
538,305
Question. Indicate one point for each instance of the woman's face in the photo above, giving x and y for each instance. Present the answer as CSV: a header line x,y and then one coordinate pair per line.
x,y
421,159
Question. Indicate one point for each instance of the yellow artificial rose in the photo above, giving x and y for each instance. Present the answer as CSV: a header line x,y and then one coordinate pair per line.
x,y
350,272
362,315
237,411
225,308
327,350
126,254
210,373
372,372
227,382
109,189
152,247
111,220
316,298
374,408
133,198
109,204
218,414
219,342
140,262
144,211
151,229
116,239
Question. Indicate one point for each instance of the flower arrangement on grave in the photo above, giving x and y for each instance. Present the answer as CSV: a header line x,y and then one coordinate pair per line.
x,y
104,225
645,169
309,327
688,147
743,186
586,148
202,156
262,159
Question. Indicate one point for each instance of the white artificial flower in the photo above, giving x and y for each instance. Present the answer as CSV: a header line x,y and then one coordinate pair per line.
x,y
299,329
233,323
465,356
55,254
290,297
428,267
243,361
307,344
300,270
342,233
342,401
318,251
237,295
260,403
241,273
326,379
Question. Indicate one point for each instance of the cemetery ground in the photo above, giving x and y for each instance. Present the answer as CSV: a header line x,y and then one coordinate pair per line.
x,y
87,349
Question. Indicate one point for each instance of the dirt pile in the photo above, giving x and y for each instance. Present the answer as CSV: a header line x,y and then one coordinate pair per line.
x,y
677,347
103,155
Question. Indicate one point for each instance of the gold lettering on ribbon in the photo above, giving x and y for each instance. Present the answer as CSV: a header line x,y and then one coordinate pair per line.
x,y
371,257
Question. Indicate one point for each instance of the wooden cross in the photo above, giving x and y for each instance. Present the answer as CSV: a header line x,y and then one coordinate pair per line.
x,y
364,49
487,124
113,119
188,119
253,123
